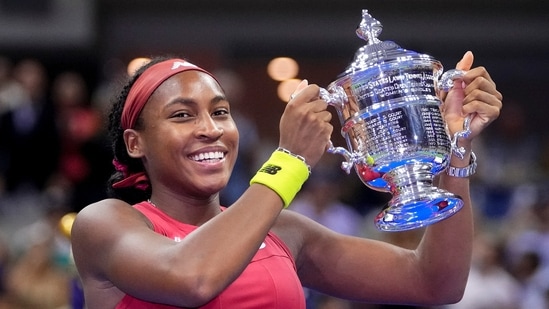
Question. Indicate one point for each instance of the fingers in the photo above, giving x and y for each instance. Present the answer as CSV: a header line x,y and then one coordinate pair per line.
x,y
305,126
466,61
464,64
475,94
308,94
487,108
480,87
479,78
480,99
302,85
324,115
305,92
306,100
484,101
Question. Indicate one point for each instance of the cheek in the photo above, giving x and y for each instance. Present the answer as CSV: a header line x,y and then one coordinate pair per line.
x,y
172,138
233,138
230,131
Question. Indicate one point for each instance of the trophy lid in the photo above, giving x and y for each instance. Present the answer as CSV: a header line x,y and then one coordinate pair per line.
x,y
375,51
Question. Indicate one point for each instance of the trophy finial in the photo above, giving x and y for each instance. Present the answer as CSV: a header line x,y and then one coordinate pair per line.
x,y
369,28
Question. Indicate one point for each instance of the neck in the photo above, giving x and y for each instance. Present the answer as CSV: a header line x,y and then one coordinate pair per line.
x,y
187,211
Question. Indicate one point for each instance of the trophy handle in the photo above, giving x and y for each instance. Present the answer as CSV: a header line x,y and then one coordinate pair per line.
x,y
446,83
447,79
338,98
347,165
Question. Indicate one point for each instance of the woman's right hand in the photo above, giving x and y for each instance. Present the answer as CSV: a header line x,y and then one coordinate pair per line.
x,y
305,127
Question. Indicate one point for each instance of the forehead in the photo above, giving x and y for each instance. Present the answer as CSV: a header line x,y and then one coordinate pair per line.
x,y
188,85
189,81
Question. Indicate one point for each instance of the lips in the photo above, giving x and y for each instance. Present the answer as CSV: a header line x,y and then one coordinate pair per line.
x,y
212,156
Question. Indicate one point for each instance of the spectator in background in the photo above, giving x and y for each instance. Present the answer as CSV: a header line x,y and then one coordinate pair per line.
x,y
10,95
11,92
490,284
527,249
82,142
29,130
320,199
40,274
535,290
512,161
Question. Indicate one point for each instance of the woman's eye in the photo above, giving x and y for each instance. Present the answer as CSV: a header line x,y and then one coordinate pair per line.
x,y
181,115
221,112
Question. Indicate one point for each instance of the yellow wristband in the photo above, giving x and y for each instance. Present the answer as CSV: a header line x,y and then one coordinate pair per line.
x,y
283,173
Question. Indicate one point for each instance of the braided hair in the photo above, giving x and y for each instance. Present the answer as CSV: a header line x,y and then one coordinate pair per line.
x,y
130,195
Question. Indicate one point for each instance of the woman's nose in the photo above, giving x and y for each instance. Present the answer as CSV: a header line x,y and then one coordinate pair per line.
x,y
208,128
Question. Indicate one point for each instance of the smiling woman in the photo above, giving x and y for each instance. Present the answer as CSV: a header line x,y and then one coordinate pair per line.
x,y
163,240
138,96
173,136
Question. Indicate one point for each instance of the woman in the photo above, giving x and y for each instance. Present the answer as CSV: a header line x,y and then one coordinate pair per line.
x,y
175,145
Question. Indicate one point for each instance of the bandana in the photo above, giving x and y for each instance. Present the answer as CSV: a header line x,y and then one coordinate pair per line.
x,y
147,83
138,96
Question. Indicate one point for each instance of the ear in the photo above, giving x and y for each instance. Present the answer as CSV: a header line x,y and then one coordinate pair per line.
x,y
133,143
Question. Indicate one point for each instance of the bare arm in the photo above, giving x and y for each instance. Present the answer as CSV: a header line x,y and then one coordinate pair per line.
x,y
374,271
446,248
436,271
114,246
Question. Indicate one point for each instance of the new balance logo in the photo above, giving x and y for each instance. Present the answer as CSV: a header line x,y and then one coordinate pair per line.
x,y
270,169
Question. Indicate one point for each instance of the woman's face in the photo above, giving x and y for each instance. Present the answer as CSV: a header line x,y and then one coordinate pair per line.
x,y
190,140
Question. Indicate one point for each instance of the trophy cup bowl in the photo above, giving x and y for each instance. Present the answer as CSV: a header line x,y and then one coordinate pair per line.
x,y
397,140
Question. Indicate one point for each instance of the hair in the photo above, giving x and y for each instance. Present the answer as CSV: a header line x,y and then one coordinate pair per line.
x,y
130,195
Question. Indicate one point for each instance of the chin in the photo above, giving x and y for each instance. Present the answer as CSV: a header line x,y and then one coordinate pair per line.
x,y
215,187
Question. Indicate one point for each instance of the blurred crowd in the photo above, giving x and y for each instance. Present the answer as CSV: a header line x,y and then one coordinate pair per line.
x,y
55,159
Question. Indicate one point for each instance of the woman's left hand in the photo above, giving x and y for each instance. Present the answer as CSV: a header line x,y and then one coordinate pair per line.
x,y
473,95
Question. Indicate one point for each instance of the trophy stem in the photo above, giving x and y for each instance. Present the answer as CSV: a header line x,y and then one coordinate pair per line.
x,y
416,202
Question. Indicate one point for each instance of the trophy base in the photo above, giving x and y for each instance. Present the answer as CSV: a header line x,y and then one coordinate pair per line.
x,y
416,202
418,210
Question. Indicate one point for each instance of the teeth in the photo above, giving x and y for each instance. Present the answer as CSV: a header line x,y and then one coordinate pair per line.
x,y
213,155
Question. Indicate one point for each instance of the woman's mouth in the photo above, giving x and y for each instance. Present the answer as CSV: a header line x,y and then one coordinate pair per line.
x,y
212,156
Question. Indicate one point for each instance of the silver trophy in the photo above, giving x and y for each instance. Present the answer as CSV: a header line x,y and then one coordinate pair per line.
x,y
397,139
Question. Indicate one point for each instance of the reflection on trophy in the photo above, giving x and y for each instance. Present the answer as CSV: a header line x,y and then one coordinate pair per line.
x,y
397,139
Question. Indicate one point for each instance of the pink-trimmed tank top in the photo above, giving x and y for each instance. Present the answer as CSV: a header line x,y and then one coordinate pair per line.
x,y
269,281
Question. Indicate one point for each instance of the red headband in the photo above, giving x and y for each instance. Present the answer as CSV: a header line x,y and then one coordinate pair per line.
x,y
147,83
138,96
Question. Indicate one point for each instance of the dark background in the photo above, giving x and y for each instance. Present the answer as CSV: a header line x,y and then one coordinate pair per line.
x,y
510,38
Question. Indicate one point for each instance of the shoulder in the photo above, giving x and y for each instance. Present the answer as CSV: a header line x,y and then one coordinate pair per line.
x,y
98,227
106,215
104,211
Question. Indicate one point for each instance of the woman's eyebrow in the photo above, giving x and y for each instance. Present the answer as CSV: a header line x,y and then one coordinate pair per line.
x,y
190,101
181,101
218,98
